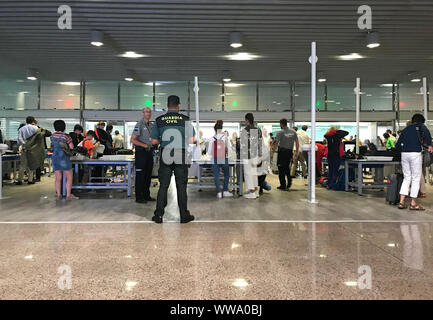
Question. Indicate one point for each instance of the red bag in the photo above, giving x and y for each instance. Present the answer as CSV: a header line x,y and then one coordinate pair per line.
x,y
219,149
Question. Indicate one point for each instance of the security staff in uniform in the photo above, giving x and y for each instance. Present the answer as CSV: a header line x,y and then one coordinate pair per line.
x,y
286,139
140,138
173,132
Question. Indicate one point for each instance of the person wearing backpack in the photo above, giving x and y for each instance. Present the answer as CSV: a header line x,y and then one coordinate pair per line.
x,y
218,151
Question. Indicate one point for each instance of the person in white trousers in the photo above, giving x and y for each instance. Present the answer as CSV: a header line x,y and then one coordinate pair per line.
x,y
410,144
251,138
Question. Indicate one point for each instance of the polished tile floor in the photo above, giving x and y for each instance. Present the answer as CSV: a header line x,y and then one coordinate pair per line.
x,y
103,247
216,261
38,203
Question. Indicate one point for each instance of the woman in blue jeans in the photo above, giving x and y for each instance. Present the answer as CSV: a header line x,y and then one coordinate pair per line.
x,y
335,152
217,149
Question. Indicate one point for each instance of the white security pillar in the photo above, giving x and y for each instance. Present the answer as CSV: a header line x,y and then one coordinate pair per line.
x,y
424,92
312,151
358,105
197,110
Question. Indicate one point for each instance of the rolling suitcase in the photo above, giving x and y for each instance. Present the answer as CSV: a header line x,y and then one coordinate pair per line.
x,y
393,189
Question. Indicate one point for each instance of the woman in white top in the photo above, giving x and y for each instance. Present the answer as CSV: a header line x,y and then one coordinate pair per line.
x,y
251,139
218,151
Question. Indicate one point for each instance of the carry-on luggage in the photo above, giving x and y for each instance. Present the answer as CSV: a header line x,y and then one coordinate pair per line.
x,y
393,189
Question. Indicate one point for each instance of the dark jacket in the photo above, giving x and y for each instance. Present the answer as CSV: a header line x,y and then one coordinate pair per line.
x,y
409,140
76,138
105,138
35,149
334,140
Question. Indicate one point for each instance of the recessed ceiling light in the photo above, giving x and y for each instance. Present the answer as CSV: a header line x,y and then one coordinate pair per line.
x,y
226,76
415,80
70,83
235,39
321,76
348,57
372,39
97,38
32,74
129,75
132,54
241,56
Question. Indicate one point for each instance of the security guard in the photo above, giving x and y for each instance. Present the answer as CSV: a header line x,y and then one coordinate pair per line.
x,y
140,138
173,132
286,139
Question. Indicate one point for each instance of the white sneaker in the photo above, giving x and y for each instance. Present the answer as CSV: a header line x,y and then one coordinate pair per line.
x,y
227,194
250,195
219,195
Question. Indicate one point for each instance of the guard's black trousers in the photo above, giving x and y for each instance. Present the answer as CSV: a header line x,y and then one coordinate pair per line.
x,y
284,163
181,175
143,173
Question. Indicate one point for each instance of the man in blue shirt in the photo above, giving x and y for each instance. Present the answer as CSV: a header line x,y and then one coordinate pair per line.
x,y
173,132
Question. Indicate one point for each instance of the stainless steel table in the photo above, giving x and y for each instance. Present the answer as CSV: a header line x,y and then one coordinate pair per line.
x,y
125,181
235,181
359,183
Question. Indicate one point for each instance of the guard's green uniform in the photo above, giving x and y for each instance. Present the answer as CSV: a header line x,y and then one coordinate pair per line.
x,y
172,129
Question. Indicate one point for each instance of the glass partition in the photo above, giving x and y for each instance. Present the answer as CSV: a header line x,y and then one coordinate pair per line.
x,y
302,96
164,89
367,130
10,125
210,96
240,96
376,97
341,97
101,95
411,96
57,95
136,95
18,94
274,96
